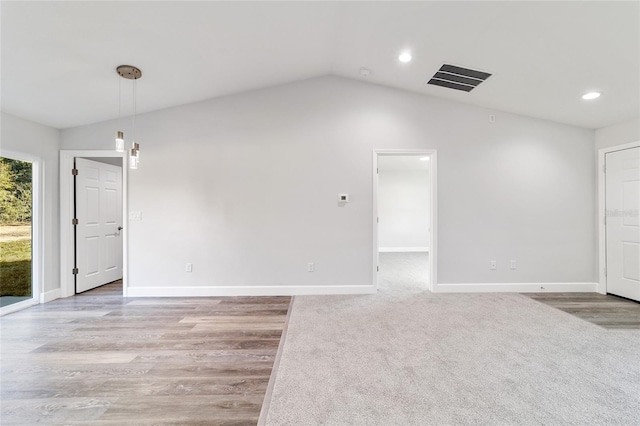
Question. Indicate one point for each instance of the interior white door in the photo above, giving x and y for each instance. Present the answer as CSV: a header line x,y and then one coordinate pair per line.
x,y
99,214
623,222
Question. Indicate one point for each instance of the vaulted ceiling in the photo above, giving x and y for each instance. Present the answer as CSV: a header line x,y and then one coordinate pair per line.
x,y
59,58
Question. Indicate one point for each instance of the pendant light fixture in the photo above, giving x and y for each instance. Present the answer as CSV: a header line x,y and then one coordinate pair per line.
x,y
130,73
133,159
120,141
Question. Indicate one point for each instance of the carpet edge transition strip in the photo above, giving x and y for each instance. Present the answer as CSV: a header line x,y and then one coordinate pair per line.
x,y
264,411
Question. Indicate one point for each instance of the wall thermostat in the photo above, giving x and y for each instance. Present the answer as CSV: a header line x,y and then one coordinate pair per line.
x,y
343,198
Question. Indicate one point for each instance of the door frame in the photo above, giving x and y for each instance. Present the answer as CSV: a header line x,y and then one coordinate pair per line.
x,y
433,235
67,287
601,213
37,230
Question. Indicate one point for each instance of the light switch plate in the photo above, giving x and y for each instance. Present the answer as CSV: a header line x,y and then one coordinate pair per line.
x,y
135,216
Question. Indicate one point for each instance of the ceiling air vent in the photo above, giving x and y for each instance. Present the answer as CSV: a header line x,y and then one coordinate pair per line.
x,y
458,78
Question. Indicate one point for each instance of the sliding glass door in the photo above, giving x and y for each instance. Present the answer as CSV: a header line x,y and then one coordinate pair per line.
x,y
16,230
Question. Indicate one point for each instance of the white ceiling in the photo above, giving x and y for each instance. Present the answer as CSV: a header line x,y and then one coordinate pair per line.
x,y
59,58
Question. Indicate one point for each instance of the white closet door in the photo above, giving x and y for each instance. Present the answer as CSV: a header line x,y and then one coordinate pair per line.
x,y
623,222
99,214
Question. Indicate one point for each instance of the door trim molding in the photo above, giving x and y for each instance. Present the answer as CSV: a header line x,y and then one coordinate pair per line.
x,y
433,235
66,214
601,213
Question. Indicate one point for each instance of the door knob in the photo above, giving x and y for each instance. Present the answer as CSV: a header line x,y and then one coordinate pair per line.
x,y
120,228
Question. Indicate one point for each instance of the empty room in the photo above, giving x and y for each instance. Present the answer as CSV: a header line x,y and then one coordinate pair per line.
x,y
320,213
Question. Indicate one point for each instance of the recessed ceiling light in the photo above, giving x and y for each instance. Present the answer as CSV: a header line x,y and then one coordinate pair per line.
x,y
591,95
424,158
405,57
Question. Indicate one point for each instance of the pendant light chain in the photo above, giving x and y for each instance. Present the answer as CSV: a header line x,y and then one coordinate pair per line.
x,y
119,133
133,129
119,102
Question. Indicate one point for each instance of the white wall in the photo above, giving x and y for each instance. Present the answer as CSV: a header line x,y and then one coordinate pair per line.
x,y
41,141
403,209
245,188
618,134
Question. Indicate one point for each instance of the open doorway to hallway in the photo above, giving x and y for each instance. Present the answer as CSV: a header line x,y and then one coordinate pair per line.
x,y
404,220
68,261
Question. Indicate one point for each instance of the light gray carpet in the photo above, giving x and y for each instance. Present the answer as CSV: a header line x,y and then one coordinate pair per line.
x,y
408,357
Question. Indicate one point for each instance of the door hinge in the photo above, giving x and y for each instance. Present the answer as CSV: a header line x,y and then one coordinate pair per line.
x,y
74,221
377,220
377,171
74,172
377,269
74,271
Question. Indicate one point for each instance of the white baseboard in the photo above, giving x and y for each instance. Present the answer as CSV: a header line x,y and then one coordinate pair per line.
x,y
402,249
352,289
248,291
516,287
48,296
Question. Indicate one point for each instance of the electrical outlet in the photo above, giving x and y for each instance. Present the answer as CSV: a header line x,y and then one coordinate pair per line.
x,y
513,264
189,267
311,267
494,265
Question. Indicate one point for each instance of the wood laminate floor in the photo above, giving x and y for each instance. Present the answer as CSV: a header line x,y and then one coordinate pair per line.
x,y
100,359
604,310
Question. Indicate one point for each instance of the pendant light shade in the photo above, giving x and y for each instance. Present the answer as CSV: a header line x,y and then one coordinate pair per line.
x,y
120,141
134,156
133,159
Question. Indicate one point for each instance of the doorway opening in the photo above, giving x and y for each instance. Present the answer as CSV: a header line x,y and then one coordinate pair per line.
x,y
404,219
97,222
93,202
619,198
20,254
